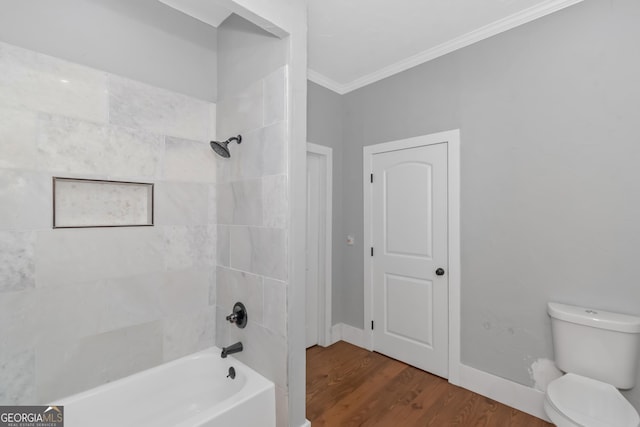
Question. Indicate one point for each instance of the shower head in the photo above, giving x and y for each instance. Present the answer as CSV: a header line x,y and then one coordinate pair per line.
x,y
221,147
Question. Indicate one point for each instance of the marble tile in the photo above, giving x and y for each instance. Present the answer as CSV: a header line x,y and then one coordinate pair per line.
x,y
275,96
184,291
180,248
133,153
259,250
262,152
224,168
17,265
212,207
240,202
188,333
263,351
48,315
137,105
17,376
65,368
19,136
192,161
223,254
67,312
241,113
39,82
67,256
274,146
18,325
213,125
187,246
275,306
81,310
78,147
25,198
129,301
209,254
213,287
179,203
234,286
275,209
222,327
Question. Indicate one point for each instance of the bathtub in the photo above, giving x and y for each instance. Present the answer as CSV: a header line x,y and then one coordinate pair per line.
x,y
187,392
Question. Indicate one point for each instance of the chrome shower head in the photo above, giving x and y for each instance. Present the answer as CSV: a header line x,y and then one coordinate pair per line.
x,y
221,147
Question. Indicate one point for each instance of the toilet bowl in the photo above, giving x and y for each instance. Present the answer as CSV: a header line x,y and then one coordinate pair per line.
x,y
599,352
577,401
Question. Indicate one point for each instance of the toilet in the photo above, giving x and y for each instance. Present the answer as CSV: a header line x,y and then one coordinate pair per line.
x,y
598,351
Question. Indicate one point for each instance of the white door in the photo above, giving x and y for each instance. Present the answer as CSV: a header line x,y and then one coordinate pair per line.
x,y
409,256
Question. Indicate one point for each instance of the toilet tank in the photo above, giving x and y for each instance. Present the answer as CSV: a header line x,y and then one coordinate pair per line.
x,y
596,344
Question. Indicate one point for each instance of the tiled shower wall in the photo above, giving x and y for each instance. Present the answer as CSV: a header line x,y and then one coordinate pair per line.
x,y
81,307
252,227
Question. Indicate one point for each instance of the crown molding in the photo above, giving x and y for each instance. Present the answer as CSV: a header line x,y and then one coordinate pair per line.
x,y
325,81
527,15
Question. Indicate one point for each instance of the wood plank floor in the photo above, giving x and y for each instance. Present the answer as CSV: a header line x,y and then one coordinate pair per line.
x,y
350,386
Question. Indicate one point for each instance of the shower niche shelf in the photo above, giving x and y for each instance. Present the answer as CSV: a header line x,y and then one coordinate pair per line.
x,y
87,203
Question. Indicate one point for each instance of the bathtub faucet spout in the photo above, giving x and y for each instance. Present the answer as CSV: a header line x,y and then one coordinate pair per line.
x,y
233,348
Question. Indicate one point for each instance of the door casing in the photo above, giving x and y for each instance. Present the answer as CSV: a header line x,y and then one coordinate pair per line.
x,y
324,286
452,139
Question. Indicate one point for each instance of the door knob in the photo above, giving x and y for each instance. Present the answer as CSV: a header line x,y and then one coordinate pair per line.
x,y
439,272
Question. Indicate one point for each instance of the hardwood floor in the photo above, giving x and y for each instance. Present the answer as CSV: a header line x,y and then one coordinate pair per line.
x,y
350,386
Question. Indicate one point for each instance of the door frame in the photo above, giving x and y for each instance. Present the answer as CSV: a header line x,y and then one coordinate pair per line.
x,y
324,289
452,139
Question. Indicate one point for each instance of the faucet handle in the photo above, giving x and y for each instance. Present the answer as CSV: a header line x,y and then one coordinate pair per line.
x,y
239,315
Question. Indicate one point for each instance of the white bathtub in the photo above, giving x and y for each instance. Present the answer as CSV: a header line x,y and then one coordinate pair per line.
x,y
188,392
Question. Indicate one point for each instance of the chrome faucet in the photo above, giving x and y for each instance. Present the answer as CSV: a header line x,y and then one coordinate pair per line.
x,y
233,348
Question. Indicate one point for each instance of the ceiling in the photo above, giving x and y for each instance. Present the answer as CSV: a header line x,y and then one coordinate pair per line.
x,y
353,43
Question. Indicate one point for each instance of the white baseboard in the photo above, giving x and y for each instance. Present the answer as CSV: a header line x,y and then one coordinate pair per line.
x,y
523,398
507,392
307,423
336,334
350,334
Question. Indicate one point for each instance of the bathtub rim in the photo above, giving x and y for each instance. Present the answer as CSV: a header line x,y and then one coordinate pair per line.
x,y
255,385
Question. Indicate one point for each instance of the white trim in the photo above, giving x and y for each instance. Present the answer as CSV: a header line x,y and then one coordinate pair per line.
x,y
324,323
455,264
336,333
523,398
307,423
497,27
324,81
452,139
209,12
350,334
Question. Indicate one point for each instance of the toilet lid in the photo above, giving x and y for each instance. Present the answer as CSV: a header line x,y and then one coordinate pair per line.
x,y
591,403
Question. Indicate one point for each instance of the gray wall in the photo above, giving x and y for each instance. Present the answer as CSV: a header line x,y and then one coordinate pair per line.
x,y
548,116
144,40
324,127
